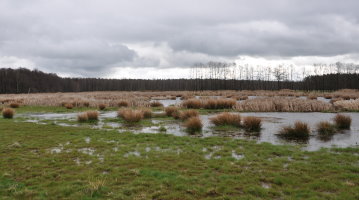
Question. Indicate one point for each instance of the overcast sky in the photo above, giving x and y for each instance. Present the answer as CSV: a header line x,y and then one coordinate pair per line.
x,y
161,38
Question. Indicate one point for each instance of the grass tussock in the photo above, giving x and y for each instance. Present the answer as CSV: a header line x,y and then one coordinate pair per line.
x,y
92,115
147,113
342,121
170,110
219,104
82,117
123,104
156,104
193,124
8,113
14,105
186,114
102,106
226,118
192,103
252,123
326,128
130,116
300,130
68,105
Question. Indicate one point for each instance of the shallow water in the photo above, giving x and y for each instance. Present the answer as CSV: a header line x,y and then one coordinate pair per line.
x,y
272,123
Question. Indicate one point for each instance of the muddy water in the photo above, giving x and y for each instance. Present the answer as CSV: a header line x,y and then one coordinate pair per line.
x,y
272,123
170,102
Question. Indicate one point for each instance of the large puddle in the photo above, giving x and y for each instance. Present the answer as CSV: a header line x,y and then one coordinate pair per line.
x,y
272,123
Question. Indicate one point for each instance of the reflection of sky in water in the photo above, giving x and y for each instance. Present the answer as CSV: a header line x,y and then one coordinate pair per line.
x,y
272,123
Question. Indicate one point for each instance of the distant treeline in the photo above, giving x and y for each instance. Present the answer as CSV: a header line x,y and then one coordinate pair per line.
x,y
34,81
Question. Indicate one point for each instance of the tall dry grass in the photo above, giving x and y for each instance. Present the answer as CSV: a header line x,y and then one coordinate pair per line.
x,y
342,121
300,130
252,123
226,119
186,114
347,105
280,104
170,110
130,116
193,124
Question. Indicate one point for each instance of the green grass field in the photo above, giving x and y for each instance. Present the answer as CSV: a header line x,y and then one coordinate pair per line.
x,y
54,162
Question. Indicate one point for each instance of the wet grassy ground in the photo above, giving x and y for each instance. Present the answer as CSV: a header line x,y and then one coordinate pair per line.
x,y
54,162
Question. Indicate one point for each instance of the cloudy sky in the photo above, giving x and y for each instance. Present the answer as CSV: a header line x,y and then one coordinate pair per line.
x,y
162,38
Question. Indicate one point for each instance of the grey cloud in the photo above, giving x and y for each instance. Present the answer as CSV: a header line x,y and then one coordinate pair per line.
x,y
79,36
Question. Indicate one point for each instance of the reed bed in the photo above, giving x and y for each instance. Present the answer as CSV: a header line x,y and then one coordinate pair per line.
x,y
347,105
280,104
209,103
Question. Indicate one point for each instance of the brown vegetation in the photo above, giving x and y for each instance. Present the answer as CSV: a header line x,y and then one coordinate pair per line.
x,y
102,106
156,104
251,123
8,113
82,117
170,110
342,121
92,115
325,128
131,116
183,115
14,105
123,104
193,124
280,104
147,113
227,119
300,130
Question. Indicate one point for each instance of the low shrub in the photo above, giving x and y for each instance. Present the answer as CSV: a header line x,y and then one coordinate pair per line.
x,y
92,115
251,123
8,113
82,117
192,103
102,106
186,114
342,121
325,128
123,104
193,124
226,119
14,105
170,110
156,104
300,130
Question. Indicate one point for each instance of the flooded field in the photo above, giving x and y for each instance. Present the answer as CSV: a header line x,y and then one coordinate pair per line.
x,y
272,123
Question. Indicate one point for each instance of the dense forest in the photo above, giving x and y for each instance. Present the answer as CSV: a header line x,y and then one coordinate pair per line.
x,y
33,81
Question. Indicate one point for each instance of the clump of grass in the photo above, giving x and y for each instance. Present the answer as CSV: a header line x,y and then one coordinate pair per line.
x,y
82,117
123,104
325,128
8,113
186,114
162,129
14,105
252,123
192,103
156,104
68,105
92,115
170,110
300,130
227,119
86,104
219,104
95,186
342,121
147,113
102,106
130,116
193,124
